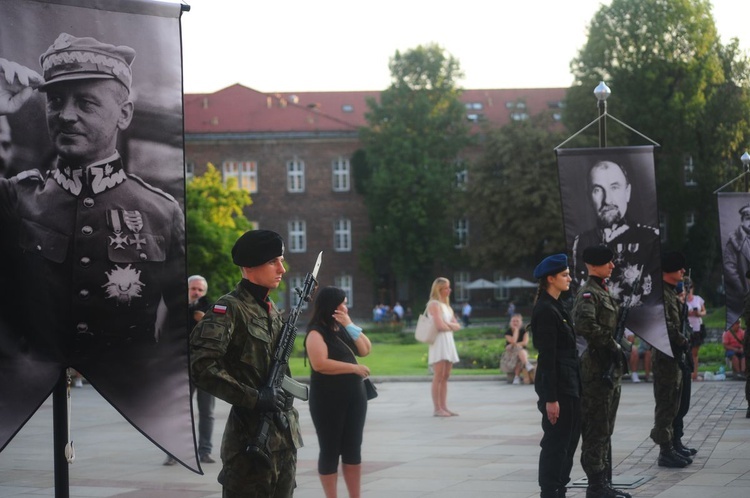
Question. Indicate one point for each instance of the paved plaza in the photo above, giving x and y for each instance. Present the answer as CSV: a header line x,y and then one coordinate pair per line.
x,y
491,449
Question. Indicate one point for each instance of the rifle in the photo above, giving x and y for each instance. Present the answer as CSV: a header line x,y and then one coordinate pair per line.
x,y
685,358
277,377
608,375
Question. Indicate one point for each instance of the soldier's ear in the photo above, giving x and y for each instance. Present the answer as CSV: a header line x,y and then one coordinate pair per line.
x,y
126,115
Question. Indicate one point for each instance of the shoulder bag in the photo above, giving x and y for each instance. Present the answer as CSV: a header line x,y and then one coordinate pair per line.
x,y
426,331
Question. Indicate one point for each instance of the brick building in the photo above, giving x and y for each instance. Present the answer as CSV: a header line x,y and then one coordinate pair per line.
x,y
292,153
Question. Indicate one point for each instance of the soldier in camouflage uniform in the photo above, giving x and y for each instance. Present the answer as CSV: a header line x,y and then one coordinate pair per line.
x,y
667,373
595,315
231,350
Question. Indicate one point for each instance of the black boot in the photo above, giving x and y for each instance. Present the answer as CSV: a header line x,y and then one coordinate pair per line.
x,y
682,449
616,493
596,487
669,458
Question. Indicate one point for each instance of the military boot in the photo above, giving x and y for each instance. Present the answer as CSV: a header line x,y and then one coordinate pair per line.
x,y
682,449
597,487
616,493
671,459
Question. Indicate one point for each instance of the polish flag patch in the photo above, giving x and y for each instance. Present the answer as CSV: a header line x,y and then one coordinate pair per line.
x,y
220,309
586,295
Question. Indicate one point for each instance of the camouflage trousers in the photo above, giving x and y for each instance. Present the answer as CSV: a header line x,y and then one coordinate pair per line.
x,y
667,391
246,477
599,404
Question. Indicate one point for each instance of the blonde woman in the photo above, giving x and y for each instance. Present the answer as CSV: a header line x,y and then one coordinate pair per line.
x,y
442,354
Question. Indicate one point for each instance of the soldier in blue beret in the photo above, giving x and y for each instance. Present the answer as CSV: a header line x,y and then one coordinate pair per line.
x,y
97,253
558,377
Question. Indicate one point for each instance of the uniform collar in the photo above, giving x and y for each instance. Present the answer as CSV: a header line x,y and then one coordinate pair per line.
x,y
259,293
97,177
599,281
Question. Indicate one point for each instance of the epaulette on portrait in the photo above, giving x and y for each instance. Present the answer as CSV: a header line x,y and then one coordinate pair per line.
x,y
30,175
150,187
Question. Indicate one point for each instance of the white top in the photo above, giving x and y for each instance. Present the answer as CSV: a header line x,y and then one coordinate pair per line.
x,y
695,321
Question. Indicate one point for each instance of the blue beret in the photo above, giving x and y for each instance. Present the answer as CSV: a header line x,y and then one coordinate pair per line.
x,y
672,261
73,58
551,265
598,255
256,247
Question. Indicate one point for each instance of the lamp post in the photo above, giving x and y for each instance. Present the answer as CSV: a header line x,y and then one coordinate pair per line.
x,y
746,162
602,91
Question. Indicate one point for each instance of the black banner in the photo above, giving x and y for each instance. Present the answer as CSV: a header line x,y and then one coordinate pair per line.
x,y
609,197
734,220
92,225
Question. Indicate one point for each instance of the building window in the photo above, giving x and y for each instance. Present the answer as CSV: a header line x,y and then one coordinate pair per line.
x,y
296,282
461,232
341,175
462,179
342,235
689,171
189,170
501,293
295,176
297,236
519,116
345,283
245,174
460,280
689,220
347,108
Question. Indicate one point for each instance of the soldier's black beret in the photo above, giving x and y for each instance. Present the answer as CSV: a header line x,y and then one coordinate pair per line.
x,y
256,247
598,255
551,265
672,261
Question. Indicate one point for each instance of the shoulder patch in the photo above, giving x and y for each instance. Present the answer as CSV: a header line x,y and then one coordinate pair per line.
x,y
219,309
586,295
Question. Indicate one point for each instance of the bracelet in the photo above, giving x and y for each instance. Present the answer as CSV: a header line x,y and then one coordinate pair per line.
x,y
353,331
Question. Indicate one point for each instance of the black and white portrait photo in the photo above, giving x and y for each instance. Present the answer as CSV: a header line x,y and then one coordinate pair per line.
x,y
92,224
734,222
609,197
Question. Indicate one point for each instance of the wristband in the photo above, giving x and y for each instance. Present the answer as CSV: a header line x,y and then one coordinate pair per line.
x,y
353,331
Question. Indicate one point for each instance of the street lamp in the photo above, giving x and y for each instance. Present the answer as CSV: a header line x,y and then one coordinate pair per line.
x,y
602,92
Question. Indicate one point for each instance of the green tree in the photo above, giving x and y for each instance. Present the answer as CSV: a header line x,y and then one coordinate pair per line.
x,y
412,145
215,220
674,82
513,195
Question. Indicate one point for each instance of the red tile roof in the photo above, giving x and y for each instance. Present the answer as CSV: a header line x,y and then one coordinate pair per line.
x,y
239,109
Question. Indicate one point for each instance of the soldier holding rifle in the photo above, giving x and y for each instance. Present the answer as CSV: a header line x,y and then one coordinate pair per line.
x,y
232,356
595,315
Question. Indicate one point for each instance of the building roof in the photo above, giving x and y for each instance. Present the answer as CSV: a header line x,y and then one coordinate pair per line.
x,y
239,109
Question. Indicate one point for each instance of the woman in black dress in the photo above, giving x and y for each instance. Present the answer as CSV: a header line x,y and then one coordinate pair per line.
x,y
558,377
338,402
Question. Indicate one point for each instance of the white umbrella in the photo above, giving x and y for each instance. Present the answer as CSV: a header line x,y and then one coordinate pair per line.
x,y
516,283
481,284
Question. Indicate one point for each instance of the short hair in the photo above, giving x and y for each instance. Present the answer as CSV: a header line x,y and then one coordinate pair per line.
x,y
197,277
605,165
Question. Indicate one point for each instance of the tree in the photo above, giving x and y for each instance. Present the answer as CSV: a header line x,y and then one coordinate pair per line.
x,y
514,197
215,220
674,82
412,143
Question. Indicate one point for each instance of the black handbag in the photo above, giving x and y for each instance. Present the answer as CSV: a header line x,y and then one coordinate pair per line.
x,y
372,392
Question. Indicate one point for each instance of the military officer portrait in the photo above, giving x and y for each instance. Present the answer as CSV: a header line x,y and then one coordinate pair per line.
x,y
98,248
737,261
635,245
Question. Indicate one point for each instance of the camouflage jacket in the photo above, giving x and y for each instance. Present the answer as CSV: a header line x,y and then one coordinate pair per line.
x,y
595,317
673,313
231,350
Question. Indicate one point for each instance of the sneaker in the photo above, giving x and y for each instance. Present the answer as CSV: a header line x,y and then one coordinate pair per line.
x,y
169,461
517,380
78,382
634,377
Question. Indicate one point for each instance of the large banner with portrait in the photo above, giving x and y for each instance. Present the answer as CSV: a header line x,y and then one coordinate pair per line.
x,y
734,222
92,225
609,197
